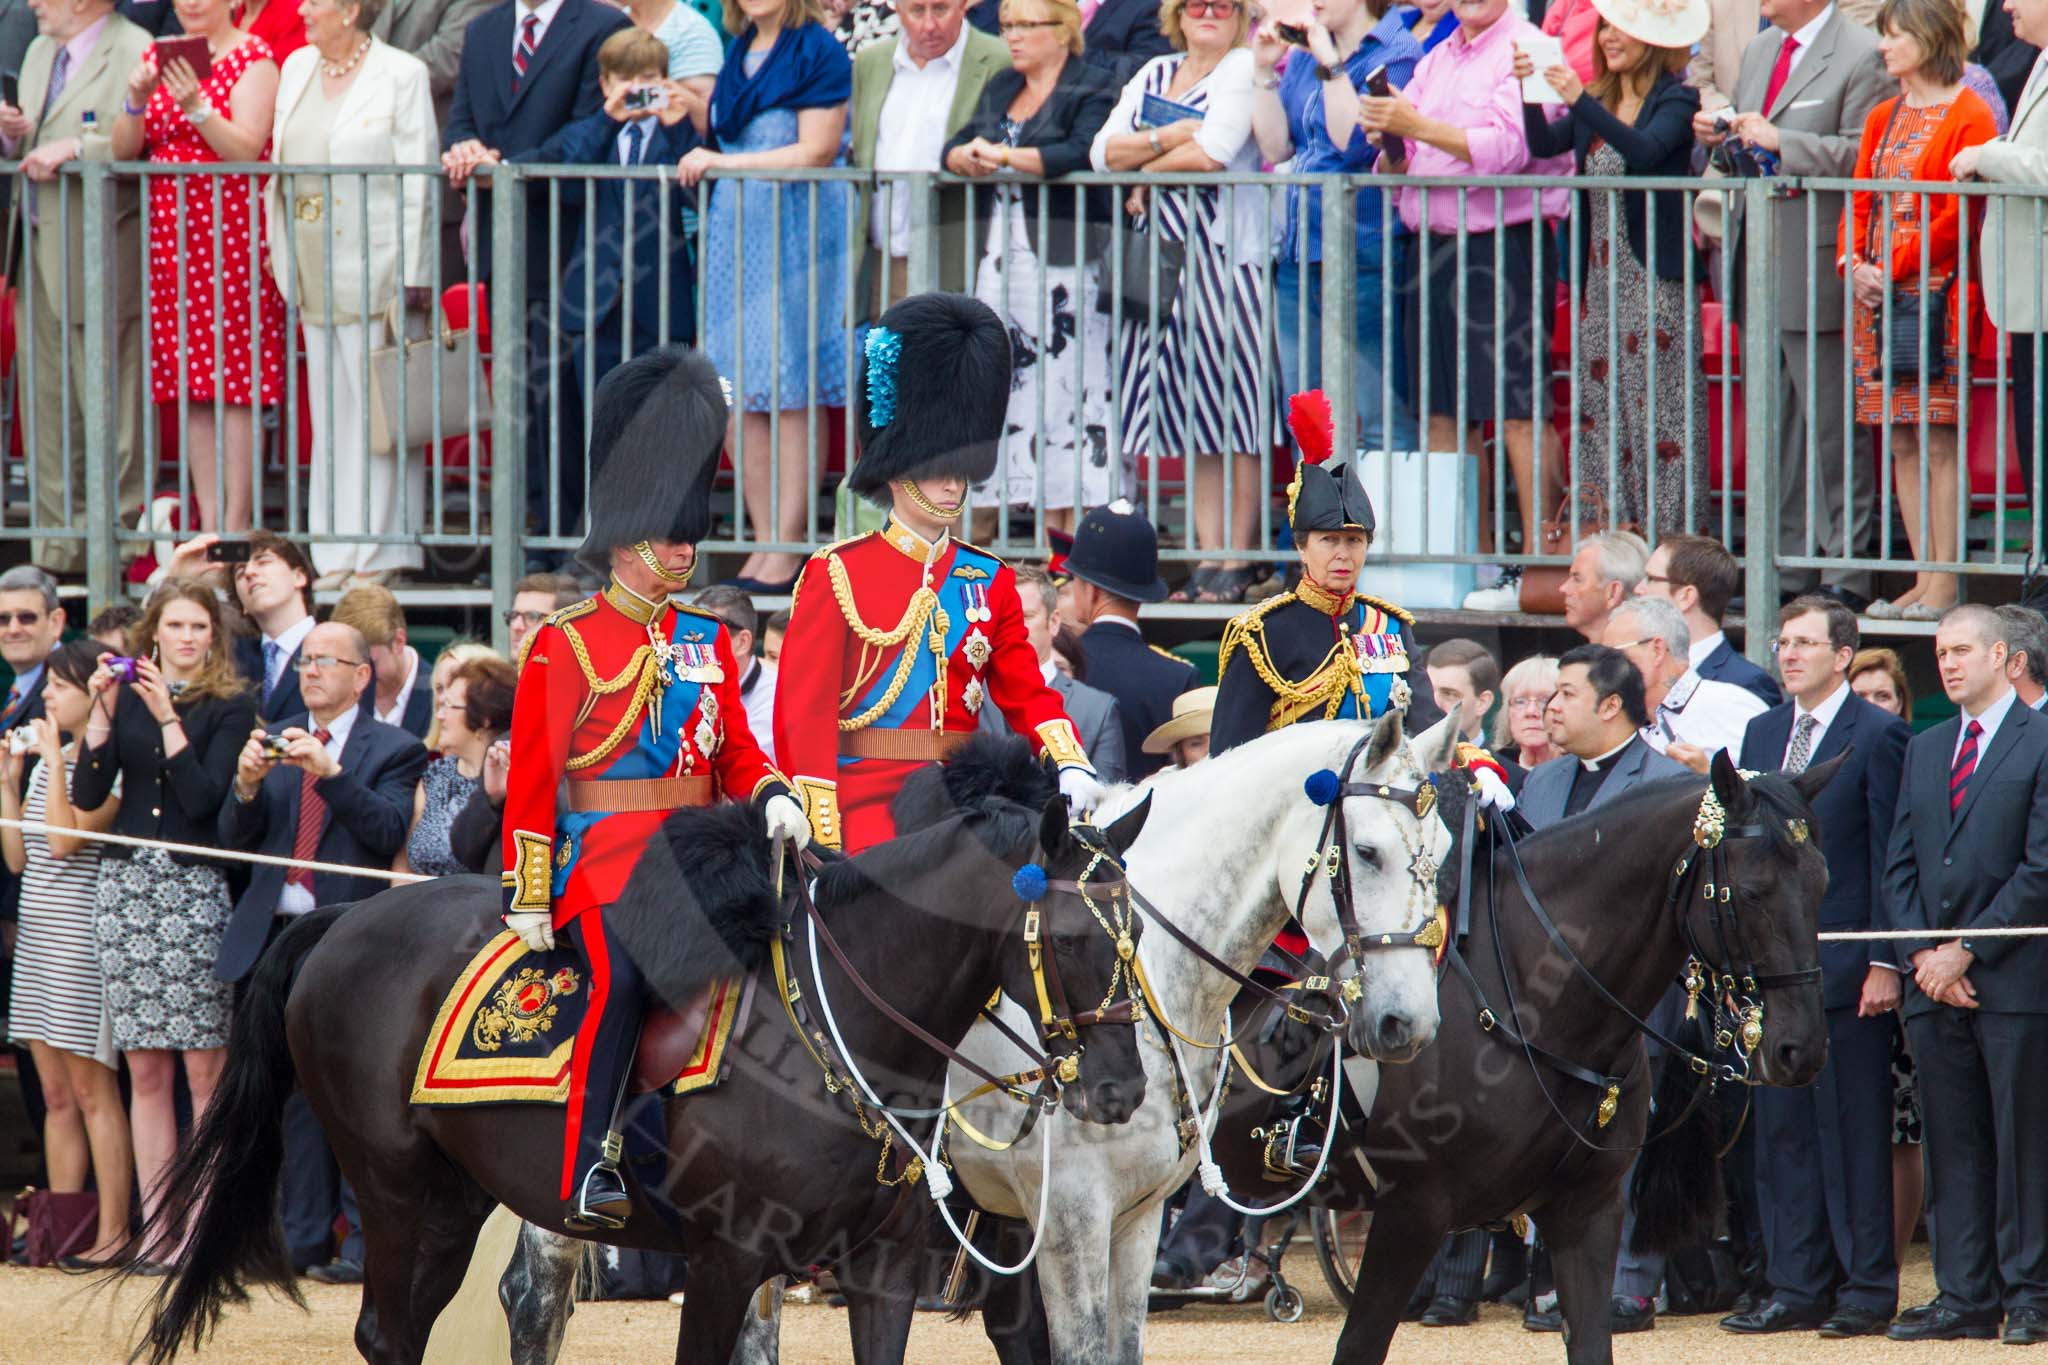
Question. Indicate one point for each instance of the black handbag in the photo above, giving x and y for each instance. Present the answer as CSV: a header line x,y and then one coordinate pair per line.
x,y
1902,359
1133,248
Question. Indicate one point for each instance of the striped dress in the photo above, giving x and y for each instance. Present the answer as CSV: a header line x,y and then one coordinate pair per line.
x,y
59,998
1196,389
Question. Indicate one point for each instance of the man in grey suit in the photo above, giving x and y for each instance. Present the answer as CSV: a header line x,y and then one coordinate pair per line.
x,y
432,30
1596,716
1806,84
1097,723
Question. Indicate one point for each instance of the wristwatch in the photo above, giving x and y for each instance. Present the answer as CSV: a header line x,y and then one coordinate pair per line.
x,y
1152,136
200,115
1327,74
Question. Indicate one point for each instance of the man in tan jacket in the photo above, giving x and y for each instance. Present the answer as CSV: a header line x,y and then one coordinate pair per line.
x,y
76,70
2015,240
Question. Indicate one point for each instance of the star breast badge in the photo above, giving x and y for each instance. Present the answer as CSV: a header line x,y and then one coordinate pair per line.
x,y
977,649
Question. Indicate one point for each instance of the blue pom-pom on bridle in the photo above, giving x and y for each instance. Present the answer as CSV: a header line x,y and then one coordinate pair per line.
x,y
883,348
1029,883
1322,786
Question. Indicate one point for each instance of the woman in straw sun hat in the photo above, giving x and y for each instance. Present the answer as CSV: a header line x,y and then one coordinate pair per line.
x,y
1634,118
1185,737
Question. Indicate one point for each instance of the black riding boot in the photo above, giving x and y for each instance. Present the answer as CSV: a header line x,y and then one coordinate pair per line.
x,y
597,1196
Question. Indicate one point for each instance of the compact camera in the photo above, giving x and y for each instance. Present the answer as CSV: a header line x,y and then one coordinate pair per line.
x,y
122,668
20,740
276,745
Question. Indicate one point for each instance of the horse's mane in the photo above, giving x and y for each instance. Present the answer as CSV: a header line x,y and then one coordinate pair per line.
x,y
1259,755
1774,792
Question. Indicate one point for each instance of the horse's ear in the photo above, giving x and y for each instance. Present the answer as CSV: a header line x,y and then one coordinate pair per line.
x,y
1124,830
1438,745
1729,788
1819,775
1386,739
1052,829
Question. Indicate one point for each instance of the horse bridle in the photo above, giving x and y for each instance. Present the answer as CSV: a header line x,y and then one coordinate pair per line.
x,y
1733,991
1057,1019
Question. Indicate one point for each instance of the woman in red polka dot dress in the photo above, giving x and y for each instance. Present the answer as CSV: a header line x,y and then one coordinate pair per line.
x,y
174,118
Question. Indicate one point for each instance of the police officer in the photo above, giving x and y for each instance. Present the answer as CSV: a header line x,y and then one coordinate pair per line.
x,y
636,703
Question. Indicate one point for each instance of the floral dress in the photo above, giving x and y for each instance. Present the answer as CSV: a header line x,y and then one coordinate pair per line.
x,y
209,250
1911,130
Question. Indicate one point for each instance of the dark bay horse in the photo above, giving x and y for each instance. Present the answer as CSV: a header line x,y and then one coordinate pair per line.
x,y
1478,1129
769,1173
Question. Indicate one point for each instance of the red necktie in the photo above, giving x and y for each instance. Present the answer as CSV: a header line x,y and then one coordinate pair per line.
x,y
1780,70
1966,764
522,52
312,815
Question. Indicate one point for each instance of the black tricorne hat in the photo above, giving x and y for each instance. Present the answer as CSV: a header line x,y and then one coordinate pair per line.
x,y
1322,497
1116,549
657,426
931,391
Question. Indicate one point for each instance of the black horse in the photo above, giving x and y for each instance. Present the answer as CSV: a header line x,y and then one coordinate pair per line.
x,y
766,1174
1480,1129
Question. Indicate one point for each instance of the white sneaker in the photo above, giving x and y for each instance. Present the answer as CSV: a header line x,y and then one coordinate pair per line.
x,y
1503,596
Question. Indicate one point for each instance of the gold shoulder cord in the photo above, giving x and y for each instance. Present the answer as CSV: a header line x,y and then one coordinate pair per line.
x,y
924,610
639,674
1324,687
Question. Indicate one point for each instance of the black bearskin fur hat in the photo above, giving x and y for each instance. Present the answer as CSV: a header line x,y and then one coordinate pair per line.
x,y
938,405
657,427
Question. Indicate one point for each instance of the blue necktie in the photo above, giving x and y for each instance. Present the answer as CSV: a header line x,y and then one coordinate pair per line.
x,y
273,654
635,137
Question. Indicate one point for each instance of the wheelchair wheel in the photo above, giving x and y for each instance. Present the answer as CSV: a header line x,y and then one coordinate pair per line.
x,y
1283,1303
1340,1246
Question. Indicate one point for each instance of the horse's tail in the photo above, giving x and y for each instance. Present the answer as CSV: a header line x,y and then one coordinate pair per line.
x,y
1676,1190
220,1193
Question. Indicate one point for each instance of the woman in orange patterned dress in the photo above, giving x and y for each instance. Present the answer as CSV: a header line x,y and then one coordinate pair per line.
x,y
1908,252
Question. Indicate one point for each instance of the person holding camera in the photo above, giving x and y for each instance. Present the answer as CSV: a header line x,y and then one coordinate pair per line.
x,y
57,1008
332,784
165,723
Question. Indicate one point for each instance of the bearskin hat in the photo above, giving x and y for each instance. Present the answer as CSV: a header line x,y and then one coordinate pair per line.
x,y
1323,497
657,426
931,391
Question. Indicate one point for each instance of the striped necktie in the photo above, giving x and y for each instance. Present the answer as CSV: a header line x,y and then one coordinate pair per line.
x,y
522,53
312,815
1966,764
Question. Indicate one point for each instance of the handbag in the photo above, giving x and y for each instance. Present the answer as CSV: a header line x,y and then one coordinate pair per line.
x,y
59,1225
412,349
1902,357
1133,247
1543,584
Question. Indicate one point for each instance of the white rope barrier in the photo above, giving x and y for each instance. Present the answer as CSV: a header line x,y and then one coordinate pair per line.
x,y
1882,935
201,851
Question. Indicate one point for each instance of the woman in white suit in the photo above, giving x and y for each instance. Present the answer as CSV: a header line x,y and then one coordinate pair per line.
x,y
347,98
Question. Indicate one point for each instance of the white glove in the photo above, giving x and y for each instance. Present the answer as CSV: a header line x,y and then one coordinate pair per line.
x,y
537,927
1492,791
1082,791
785,820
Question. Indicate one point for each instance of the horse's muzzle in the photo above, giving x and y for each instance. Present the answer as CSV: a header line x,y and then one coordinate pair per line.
x,y
1106,1101
1393,1036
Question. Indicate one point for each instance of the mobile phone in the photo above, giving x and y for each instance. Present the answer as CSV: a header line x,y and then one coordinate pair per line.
x,y
1293,33
646,99
194,51
1377,85
10,88
228,552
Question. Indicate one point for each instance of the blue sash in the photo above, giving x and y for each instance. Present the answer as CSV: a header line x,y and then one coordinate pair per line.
x,y
967,576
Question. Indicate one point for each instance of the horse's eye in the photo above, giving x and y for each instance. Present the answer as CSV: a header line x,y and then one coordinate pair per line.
x,y
1368,855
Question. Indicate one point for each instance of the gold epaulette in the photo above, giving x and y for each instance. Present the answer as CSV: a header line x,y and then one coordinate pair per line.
x,y
1398,613
1245,625
560,616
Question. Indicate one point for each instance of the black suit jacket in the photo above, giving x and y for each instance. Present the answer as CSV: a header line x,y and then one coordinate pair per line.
x,y
369,807
159,17
476,834
1856,813
285,701
560,87
2001,52
419,711
1144,682
1122,36
1062,130
1985,868
1725,665
176,799
1659,142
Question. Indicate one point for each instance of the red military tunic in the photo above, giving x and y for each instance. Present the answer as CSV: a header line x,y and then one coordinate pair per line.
x,y
618,689
892,642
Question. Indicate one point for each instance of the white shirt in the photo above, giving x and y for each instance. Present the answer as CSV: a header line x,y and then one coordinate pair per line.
x,y
757,692
1702,647
1126,622
544,11
287,645
1823,716
1702,712
396,715
1993,716
296,899
910,135
1804,37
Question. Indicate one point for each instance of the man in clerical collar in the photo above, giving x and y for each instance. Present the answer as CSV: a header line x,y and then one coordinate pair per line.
x,y
1596,717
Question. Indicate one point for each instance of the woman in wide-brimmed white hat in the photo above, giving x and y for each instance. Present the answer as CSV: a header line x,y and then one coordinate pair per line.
x,y
1634,118
1186,734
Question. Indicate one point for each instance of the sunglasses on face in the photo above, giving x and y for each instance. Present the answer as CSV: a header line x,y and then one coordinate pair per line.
x,y
25,618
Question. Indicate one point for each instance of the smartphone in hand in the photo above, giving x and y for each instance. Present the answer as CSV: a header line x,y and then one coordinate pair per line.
x,y
10,88
228,552
196,53
1376,84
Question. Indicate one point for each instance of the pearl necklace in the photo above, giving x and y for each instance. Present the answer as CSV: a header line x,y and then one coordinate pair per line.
x,y
336,70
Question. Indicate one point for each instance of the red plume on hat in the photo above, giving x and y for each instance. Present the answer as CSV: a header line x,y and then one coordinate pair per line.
x,y
1315,430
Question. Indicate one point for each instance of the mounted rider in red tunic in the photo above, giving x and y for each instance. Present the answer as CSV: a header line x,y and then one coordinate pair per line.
x,y
628,708
898,638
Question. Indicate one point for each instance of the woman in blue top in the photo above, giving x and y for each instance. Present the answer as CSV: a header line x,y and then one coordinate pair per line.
x,y
775,296
1309,112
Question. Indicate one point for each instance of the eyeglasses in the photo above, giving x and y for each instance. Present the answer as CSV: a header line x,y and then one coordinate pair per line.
x,y
1534,705
1214,9
309,662
1789,645
1024,25
526,618
26,618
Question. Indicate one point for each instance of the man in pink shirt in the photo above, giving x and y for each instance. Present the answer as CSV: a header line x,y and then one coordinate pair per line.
x,y
1460,116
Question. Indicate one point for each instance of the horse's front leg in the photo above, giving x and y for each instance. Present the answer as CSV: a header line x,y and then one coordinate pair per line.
x,y
1073,1274
1583,1233
760,1340
538,1290
1133,1246
881,1295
